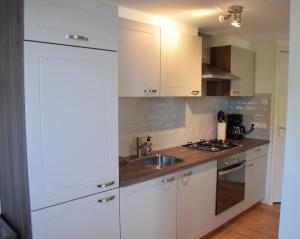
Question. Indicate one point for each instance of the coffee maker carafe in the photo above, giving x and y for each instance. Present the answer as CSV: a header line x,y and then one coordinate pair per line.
x,y
235,129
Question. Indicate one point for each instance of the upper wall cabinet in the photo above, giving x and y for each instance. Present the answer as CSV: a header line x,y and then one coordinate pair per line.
x,y
154,61
139,59
89,23
181,64
239,62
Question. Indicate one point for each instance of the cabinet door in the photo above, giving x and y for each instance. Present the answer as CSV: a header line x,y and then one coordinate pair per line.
x,y
71,122
139,59
181,64
242,65
92,217
148,209
196,201
88,23
255,180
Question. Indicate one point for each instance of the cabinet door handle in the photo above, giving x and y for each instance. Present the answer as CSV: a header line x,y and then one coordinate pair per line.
x,y
168,180
150,92
187,174
195,92
106,199
250,165
105,185
76,37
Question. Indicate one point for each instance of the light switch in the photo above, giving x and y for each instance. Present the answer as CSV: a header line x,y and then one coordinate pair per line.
x,y
259,125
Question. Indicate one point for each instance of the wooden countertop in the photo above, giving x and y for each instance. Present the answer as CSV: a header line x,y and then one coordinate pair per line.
x,y
132,174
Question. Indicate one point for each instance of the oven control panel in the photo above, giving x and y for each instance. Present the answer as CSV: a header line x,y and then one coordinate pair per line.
x,y
231,160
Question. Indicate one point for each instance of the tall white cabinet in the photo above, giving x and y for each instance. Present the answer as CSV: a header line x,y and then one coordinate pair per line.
x,y
71,119
71,98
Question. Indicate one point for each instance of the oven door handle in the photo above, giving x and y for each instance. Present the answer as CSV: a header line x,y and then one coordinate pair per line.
x,y
231,170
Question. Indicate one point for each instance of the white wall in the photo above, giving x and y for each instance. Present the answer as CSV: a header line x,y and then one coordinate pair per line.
x,y
265,66
289,221
156,20
229,40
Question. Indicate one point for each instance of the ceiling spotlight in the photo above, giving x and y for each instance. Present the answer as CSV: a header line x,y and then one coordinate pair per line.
x,y
236,13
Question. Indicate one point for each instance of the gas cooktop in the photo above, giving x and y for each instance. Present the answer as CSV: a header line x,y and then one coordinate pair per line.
x,y
212,145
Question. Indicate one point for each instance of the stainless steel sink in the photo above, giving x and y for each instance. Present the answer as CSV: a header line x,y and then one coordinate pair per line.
x,y
157,161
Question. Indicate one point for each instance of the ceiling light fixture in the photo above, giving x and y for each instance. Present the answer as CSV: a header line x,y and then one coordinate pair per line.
x,y
236,13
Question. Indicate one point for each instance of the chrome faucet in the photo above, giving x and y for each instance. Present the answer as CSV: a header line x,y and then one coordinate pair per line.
x,y
143,148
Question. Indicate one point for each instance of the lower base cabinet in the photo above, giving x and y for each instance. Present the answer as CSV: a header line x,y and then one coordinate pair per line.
x,y
196,201
255,180
92,217
180,205
148,209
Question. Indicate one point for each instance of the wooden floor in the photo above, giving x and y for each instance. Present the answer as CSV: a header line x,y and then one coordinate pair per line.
x,y
260,222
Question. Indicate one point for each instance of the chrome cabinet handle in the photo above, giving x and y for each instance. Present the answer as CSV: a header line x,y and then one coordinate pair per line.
x,y
250,165
106,199
227,171
168,180
105,185
187,174
150,92
76,37
195,92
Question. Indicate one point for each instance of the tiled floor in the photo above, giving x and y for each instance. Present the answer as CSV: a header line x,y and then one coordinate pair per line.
x,y
260,222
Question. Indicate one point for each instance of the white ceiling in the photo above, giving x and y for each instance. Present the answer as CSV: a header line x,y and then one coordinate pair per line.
x,y
261,19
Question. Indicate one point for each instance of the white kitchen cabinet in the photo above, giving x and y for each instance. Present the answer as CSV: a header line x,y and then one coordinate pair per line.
x,y
88,23
181,64
255,180
242,65
139,59
91,217
148,209
71,122
196,201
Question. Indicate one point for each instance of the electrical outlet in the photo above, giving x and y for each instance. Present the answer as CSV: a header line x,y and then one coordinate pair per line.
x,y
259,125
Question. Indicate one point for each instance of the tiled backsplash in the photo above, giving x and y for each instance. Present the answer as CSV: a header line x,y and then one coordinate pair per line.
x,y
255,109
174,121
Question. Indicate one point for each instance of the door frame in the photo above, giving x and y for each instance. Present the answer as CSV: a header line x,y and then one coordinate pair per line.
x,y
274,128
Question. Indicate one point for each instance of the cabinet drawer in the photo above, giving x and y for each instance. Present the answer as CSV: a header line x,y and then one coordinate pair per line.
x,y
88,23
256,152
92,217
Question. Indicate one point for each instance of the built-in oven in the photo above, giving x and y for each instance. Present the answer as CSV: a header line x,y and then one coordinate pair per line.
x,y
230,182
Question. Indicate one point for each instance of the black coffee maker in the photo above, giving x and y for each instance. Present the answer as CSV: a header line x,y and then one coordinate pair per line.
x,y
235,129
